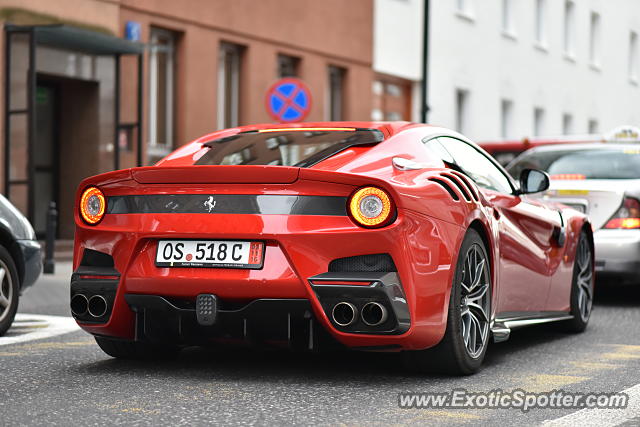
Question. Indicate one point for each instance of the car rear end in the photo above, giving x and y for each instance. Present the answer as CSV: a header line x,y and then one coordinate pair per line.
x,y
604,183
249,254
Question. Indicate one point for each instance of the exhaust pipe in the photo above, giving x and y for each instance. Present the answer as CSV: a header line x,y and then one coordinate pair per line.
x,y
79,305
374,314
97,306
344,313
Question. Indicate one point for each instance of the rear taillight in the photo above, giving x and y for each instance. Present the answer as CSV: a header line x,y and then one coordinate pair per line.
x,y
627,217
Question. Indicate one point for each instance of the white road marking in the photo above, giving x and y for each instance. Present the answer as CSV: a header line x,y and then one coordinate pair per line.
x,y
29,327
595,417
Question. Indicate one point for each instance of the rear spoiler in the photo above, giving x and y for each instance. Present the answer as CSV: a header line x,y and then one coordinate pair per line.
x,y
247,174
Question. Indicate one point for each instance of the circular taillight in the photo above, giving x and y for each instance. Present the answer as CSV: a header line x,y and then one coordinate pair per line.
x,y
371,207
93,205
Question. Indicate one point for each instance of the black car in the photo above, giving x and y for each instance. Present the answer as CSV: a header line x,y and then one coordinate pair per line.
x,y
20,260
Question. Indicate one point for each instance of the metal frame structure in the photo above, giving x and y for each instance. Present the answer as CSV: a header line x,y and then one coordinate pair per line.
x,y
73,39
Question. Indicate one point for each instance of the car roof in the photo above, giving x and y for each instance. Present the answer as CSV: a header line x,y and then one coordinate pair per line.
x,y
387,128
583,147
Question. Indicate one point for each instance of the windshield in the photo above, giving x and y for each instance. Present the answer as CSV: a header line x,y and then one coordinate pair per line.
x,y
613,163
287,147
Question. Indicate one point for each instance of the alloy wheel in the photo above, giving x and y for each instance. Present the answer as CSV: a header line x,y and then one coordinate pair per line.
x,y
6,291
475,301
584,279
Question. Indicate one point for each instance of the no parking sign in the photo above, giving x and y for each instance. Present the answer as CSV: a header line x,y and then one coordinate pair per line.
x,y
288,100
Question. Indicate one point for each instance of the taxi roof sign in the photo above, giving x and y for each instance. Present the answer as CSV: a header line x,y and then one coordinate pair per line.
x,y
625,133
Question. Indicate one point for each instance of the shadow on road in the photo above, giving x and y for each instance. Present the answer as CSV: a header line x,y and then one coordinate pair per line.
x,y
613,294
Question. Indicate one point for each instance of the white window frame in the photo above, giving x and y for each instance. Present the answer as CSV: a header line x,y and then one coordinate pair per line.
x,y
506,118
538,121
541,23
569,29
594,39
461,110
567,124
508,28
633,57
156,147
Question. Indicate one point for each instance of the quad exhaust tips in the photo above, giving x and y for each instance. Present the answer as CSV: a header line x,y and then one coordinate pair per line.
x,y
344,313
79,305
96,306
374,314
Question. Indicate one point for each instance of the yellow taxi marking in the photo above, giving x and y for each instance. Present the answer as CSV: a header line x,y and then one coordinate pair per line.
x,y
8,353
572,192
623,352
582,367
549,382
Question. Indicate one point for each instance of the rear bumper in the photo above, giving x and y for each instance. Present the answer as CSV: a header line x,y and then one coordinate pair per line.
x,y
298,249
278,322
617,253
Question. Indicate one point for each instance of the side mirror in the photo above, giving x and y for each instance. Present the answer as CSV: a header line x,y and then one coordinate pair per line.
x,y
533,181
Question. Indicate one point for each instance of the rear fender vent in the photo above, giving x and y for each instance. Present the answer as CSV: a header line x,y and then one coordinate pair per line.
x,y
457,182
378,263
444,184
467,182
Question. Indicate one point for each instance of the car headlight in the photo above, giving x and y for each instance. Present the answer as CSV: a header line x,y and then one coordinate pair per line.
x,y
93,205
371,207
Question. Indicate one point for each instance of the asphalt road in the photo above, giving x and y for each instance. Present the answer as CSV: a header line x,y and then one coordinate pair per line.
x,y
66,379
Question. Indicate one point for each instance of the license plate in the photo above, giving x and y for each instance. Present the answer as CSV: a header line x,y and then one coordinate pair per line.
x,y
210,253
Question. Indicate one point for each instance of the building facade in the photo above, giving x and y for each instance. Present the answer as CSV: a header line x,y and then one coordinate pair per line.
x,y
82,100
515,68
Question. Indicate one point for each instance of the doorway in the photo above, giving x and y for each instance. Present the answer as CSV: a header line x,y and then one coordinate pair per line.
x,y
45,155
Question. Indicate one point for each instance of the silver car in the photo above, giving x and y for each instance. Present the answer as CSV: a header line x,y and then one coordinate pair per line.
x,y
603,181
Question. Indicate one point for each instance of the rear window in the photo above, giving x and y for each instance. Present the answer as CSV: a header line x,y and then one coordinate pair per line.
x,y
285,147
592,164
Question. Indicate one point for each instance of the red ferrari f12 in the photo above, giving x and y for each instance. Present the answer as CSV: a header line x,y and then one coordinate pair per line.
x,y
366,235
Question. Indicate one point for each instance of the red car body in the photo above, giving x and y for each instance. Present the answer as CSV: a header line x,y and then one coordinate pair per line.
x,y
531,270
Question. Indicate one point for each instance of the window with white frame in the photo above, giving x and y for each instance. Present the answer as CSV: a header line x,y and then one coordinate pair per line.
x,y
594,39
229,69
592,126
567,124
569,28
506,118
540,28
464,7
462,110
161,91
633,56
336,93
507,17
538,121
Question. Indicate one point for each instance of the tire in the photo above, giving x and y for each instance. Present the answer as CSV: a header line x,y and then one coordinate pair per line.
x,y
582,286
9,290
466,338
124,349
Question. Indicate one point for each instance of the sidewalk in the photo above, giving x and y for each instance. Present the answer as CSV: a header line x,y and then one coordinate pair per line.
x,y
50,294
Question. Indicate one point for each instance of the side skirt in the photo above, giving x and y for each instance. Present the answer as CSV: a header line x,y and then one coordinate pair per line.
x,y
503,324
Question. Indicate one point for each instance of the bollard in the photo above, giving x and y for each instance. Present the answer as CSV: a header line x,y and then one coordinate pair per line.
x,y
50,239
